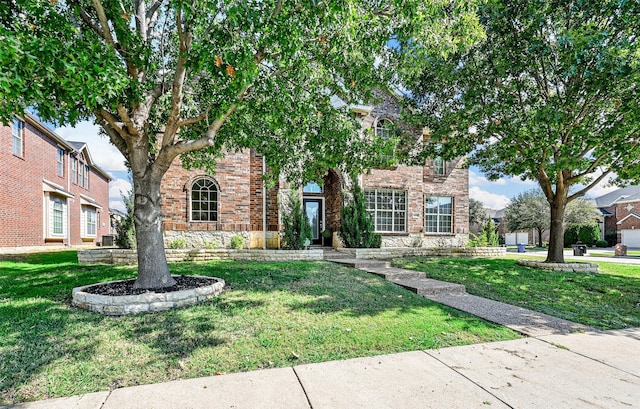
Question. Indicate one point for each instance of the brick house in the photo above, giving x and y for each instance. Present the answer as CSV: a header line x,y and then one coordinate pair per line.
x,y
411,205
51,192
621,213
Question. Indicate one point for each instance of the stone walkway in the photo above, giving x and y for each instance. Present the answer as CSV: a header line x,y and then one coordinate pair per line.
x,y
527,322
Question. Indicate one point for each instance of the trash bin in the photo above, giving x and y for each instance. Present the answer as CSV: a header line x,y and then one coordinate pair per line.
x,y
579,249
520,247
620,250
107,240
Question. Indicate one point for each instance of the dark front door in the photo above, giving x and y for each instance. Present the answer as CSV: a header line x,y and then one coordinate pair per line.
x,y
313,209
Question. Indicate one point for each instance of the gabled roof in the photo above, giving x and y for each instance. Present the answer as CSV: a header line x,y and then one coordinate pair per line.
x,y
627,194
634,214
79,147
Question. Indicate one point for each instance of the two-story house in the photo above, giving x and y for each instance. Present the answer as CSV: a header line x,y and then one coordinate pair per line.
x,y
51,191
411,205
621,213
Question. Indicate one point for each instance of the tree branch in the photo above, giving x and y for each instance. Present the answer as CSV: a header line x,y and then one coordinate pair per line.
x,y
583,191
102,17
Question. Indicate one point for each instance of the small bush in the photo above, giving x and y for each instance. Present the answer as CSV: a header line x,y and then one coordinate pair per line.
x,y
210,245
611,238
377,241
179,243
589,234
237,242
602,243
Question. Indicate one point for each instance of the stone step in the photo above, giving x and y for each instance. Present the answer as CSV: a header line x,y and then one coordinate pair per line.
x,y
335,255
428,286
393,273
360,263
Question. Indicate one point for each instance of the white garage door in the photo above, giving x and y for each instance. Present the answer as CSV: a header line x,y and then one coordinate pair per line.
x,y
631,237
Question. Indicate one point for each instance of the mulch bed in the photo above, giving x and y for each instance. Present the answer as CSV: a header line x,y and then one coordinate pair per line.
x,y
126,287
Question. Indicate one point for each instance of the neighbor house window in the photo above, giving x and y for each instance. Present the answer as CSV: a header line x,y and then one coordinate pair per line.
x,y
17,141
86,176
60,160
438,214
80,174
90,221
439,166
57,216
384,128
204,200
388,208
74,170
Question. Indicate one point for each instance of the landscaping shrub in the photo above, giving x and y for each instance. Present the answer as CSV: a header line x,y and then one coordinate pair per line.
x,y
237,242
125,227
602,243
588,234
611,238
570,235
356,227
488,236
296,232
178,243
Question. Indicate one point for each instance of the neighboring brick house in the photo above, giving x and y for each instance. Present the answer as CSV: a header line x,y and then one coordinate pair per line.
x,y
621,212
51,192
411,205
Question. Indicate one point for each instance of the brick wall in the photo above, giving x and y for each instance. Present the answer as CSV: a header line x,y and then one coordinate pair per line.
x,y
23,200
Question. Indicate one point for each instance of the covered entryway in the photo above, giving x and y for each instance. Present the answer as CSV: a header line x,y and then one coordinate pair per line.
x,y
631,237
313,207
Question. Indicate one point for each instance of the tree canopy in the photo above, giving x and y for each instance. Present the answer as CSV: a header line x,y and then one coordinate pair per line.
x,y
196,78
551,96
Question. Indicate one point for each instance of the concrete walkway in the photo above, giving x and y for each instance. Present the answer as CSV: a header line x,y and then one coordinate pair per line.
x,y
556,367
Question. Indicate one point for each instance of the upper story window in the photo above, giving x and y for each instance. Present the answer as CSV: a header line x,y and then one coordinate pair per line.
x,y
204,200
388,208
439,166
60,161
438,214
86,176
81,174
384,128
74,170
17,141
312,187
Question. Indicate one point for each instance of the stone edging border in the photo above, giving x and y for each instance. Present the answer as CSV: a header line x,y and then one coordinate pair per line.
x,y
566,267
146,302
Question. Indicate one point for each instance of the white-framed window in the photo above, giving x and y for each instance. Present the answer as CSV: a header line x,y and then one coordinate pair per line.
x,y
388,208
17,141
312,187
60,161
74,170
57,217
438,214
384,128
89,221
80,173
86,176
439,166
204,200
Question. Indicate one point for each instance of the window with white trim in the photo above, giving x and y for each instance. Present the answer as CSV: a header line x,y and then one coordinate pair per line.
x,y
438,214
86,176
384,128
388,209
17,131
57,226
90,221
60,161
439,166
74,170
204,200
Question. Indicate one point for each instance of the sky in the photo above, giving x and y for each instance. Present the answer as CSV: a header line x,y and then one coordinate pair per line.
x,y
493,194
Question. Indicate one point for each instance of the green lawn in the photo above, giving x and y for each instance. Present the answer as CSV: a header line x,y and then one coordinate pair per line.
x,y
270,315
609,300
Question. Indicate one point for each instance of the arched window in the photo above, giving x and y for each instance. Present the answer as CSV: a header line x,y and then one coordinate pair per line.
x,y
204,200
384,128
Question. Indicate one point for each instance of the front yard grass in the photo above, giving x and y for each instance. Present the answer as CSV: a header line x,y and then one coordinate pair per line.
x,y
608,300
270,315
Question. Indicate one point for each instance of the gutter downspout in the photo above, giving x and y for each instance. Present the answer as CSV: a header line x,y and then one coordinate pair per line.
x,y
264,205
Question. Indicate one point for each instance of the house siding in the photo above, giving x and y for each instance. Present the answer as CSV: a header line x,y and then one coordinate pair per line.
x,y
24,202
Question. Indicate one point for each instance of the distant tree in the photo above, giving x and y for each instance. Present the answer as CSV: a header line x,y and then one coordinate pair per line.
x,y
477,215
551,96
528,210
581,212
125,227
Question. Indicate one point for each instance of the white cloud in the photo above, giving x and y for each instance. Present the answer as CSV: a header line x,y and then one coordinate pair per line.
x,y
488,199
117,187
104,154
602,188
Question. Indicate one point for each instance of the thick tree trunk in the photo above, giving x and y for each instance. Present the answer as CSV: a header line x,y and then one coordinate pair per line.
x,y
539,237
153,270
556,233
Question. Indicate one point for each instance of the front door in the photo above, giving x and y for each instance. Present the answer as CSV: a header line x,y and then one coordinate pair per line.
x,y
313,209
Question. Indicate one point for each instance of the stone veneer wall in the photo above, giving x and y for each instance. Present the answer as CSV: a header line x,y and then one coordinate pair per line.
x,y
398,252
120,256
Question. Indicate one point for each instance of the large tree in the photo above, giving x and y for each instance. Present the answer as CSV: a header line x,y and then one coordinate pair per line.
x,y
196,78
551,96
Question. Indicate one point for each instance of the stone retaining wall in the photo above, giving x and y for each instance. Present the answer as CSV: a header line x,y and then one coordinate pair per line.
x,y
147,302
399,252
566,267
121,256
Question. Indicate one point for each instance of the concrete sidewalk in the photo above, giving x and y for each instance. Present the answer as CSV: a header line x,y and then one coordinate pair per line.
x,y
586,370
